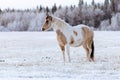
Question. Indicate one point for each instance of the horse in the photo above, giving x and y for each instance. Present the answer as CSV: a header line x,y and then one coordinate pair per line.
x,y
71,36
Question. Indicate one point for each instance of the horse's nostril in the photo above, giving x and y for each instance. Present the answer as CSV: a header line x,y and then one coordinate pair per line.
x,y
43,29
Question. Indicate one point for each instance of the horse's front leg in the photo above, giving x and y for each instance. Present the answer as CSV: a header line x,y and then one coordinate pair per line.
x,y
63,51
68,52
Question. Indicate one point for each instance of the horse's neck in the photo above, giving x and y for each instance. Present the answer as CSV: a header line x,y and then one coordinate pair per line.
x,y
61,25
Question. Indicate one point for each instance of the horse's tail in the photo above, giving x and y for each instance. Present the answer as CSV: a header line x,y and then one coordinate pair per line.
x,y
92,52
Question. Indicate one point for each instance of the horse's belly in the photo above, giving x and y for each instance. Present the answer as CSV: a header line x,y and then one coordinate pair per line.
x,y
76,43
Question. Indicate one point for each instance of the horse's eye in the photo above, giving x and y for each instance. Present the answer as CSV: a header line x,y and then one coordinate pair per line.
x,y
47,22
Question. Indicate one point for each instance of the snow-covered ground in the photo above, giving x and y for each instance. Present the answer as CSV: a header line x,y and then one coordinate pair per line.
x,y
37,56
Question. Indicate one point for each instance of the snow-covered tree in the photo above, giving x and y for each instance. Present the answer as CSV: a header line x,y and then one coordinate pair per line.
x,y
101,16
37,22
115,5
115,23
54,8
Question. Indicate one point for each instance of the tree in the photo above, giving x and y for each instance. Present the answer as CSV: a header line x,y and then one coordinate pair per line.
x,y
93,2
47,9
54,8
40,9
0,11
107,10
114,5
80,4
98,16
60,7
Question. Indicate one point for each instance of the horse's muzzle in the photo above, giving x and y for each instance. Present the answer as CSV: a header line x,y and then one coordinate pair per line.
x,y
43,29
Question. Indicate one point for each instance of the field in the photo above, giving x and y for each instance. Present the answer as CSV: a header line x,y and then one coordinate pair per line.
x,y
37,56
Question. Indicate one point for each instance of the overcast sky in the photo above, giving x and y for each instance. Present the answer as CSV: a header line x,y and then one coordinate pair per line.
x,y
24,4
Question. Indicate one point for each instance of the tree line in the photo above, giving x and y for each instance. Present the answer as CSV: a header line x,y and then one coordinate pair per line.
x,y
100,16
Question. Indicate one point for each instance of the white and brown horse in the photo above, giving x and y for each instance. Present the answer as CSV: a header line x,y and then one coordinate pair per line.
x,y
71,36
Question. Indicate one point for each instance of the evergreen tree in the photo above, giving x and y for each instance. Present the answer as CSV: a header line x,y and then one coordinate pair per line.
x,y
93,2
0,11
71,7
114,5
107,10
80,4
40,9
60,7
47,9
54,8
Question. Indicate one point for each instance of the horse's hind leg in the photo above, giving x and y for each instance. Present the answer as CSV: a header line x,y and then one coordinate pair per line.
x,y
63,51
91,50
87,52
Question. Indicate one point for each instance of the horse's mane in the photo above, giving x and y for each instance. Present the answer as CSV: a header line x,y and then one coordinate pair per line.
x,y
60,22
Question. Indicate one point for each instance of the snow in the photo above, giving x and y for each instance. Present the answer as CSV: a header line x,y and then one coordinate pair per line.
x,y
37,56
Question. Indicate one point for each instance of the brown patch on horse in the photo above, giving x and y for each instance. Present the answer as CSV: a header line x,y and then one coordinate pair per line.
x,y
47,23
87,34
75,33
88,41
61,38
71,40
49,18
63,51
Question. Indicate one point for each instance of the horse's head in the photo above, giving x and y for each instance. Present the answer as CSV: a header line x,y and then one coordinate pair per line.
x,y
47,24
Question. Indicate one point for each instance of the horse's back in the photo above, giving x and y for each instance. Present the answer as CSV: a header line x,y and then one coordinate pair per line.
x,y
84,31
81,26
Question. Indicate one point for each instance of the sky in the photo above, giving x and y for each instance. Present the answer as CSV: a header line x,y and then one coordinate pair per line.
x,y
24,4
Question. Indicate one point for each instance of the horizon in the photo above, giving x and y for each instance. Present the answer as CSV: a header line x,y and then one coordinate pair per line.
x,y
22,5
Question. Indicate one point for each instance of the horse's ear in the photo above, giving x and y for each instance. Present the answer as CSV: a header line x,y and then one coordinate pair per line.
x,y
47,14
50,18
